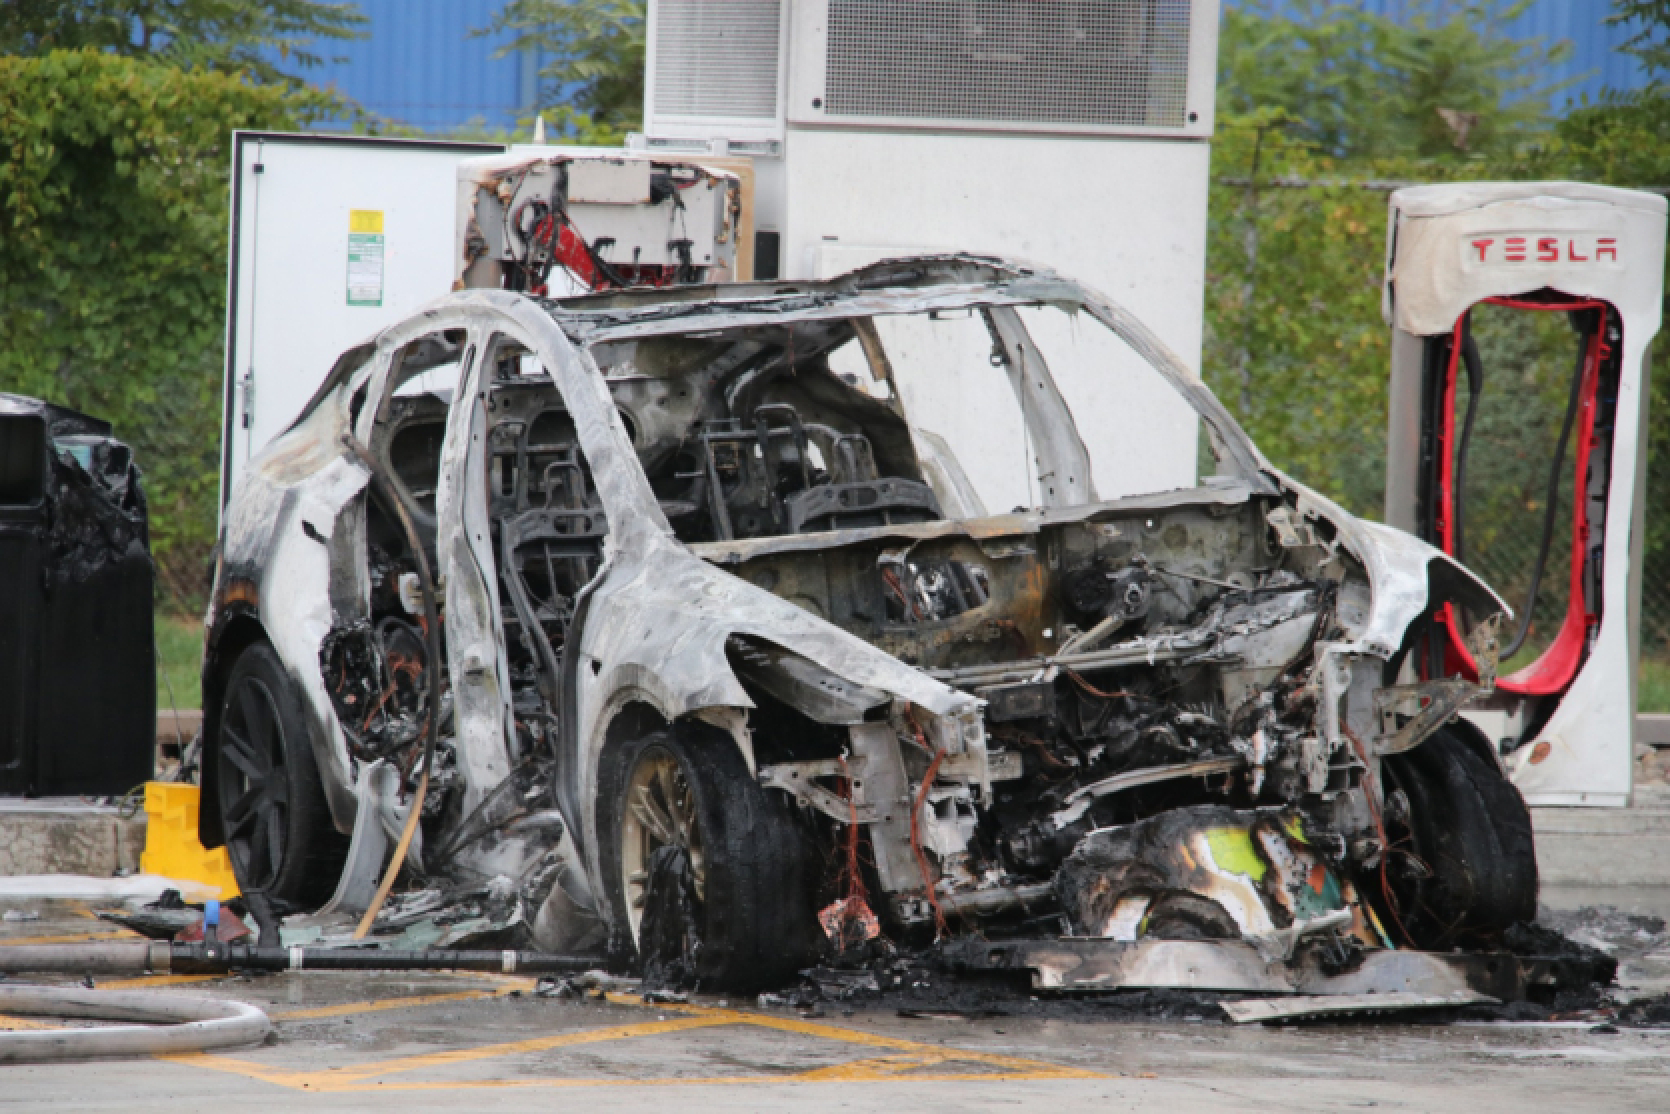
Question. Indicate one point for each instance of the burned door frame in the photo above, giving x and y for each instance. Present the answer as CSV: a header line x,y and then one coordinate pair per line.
x,y
483,711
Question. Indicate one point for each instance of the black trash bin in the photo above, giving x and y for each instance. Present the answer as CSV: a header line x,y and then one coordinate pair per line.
x,y
77,655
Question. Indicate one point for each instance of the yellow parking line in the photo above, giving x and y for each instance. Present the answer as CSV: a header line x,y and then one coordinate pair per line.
x,y
908,1058
714,1081
333,1079
512,1048
9,1022
71,938
349,1008
140,982
281,1077
857,1036
866,1071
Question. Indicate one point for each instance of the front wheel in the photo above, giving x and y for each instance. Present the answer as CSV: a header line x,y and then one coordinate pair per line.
x,y
278,828
688,788
1463,865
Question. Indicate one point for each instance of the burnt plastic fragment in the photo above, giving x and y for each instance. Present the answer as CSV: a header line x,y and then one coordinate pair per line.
x,y
669,941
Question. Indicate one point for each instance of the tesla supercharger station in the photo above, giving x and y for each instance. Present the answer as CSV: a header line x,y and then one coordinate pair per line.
x,y
1594,257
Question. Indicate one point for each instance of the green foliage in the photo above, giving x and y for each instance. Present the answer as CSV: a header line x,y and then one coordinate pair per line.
x,y
1318,120
593,82
232,36
1649,23
179,662
1653,687
1353,84
113,175
1294,342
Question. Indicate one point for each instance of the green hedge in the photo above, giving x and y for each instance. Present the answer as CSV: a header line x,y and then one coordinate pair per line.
x,y
113,174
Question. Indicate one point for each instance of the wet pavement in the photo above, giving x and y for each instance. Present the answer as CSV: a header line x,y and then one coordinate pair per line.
x,y
441,1042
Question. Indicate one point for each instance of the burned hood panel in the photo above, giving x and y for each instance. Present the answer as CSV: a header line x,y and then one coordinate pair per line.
x,y
684,611
1219,492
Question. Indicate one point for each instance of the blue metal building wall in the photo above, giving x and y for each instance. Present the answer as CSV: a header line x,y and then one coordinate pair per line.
x,y
421,67
1594,63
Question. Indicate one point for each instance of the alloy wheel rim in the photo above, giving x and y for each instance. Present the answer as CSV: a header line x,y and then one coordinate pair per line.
x,y
660,810
254,784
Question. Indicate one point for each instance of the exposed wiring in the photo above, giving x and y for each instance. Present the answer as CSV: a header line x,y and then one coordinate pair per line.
x,y
1373,786
432,650
940,928
1093,690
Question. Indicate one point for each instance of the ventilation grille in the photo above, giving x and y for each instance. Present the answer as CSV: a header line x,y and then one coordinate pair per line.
x,y
1104,63
717,59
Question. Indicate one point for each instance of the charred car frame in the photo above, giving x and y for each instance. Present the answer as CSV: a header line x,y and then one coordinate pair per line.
x,y
587,594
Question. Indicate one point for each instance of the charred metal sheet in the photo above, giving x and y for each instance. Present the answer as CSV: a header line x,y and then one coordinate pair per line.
x,y
1024,700
1203,873
1084,964
1311,1006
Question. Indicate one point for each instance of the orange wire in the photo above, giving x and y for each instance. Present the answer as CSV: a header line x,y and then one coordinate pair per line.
x,y
1092,689
1380,829
940,928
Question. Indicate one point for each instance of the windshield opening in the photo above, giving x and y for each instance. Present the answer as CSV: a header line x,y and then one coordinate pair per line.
x,y
846,423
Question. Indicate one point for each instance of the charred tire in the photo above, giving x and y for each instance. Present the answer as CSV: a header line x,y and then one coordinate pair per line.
x,y
1463,867
754,907
278,827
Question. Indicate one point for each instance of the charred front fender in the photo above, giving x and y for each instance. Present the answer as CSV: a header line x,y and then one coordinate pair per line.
x,y
1406,575
288,536
1409,580
663,630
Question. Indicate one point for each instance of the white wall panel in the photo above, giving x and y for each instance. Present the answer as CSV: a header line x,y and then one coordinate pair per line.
x,y
289,315
1125,216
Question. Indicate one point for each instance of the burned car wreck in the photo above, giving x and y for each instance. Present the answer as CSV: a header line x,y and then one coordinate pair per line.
x,y
693,596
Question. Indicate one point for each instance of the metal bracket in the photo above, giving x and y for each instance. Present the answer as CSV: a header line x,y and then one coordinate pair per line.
x,y
796,779
1428,706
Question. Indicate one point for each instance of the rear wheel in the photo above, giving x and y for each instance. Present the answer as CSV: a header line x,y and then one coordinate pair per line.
x,y
1463,865
688,787
272,806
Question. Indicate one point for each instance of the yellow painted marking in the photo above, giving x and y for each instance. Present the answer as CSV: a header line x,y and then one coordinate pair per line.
x,y
513,1048
703,1081
349,1008
247,1068
869,1071
9,1023
139,982
337,1079
72,938
857,1036
907,1060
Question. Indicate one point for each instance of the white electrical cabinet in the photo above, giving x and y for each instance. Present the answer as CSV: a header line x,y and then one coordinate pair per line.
x,y
1070,135
335,237
332,238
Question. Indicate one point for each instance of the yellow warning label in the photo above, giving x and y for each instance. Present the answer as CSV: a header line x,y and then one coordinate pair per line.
x,y
366,221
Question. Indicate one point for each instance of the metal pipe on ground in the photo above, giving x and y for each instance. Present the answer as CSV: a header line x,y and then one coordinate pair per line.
x,y
119,957
170,1024
199,958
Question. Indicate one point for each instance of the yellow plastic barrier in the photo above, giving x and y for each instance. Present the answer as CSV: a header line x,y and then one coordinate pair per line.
x,y
171,846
